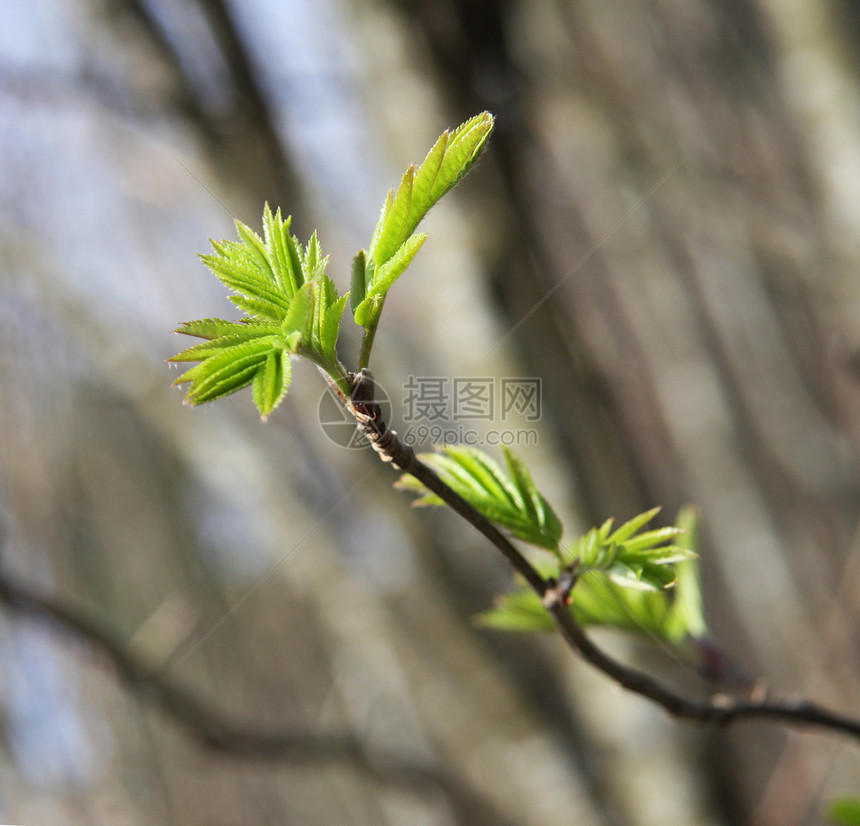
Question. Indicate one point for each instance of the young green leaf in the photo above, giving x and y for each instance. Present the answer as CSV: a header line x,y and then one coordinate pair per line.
x,y
538,508
393,245
237,333
319,344
210,328
635,596
482,483
386,275
686,616
662,555
646,576
313,263
271,382
599,600
258,308
281,251
519,610
255,251
227,370
633,559
635,591
328,316
649,539
254,295
596,601
367,313
300,315
291,306
592,551
358,285
630,590
425,497
630,527
451,157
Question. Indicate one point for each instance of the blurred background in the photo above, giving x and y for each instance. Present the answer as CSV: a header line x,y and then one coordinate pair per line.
x,y
664,231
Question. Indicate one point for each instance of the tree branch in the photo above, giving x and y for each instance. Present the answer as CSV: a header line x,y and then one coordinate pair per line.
x,y
717,709
217,731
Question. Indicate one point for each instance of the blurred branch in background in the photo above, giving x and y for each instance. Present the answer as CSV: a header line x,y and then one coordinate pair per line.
x,y
217,92
216,731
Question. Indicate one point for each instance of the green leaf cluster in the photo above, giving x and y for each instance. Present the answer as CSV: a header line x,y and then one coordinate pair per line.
x,y
395,242
629,557
508,499
603,595
290,307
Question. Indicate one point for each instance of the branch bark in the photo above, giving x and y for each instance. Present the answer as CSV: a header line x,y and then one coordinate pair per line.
x,y
719,709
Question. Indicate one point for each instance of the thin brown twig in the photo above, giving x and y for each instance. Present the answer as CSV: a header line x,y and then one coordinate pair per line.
x,y
717,709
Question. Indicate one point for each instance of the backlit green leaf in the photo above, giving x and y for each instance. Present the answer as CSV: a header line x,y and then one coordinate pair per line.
x,y
395,230
391,270
686,615
272,381
290,306
206,349
281,250
450,158
482,483
644,575
256,251
258,308
519,610
650,539
632,526
299,318
210,328
368,311
636,597
329,310
539,509
663,555
227,371
239,271
358,285
393,245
